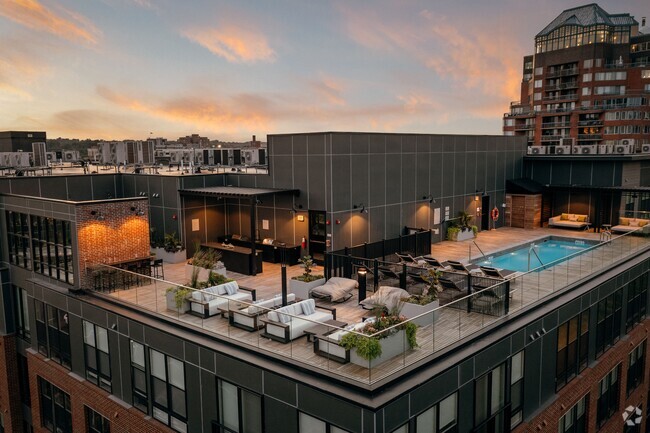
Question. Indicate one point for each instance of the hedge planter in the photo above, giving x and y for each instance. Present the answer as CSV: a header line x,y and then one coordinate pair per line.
x,y
204,273
177,257
391,346
462,235
302,289
410,311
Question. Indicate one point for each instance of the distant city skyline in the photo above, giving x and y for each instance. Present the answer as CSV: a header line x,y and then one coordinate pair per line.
x,y
118,69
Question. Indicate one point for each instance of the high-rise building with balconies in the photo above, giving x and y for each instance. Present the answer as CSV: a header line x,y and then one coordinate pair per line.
x,y
586,88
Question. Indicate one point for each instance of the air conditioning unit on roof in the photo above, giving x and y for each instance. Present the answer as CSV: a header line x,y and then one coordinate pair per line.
x,y
589,149
604,149
623,149
563,150
537,150
645,148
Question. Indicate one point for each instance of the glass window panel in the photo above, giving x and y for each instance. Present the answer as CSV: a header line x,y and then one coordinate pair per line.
x,y
312,425
137,353
251,407
497,397
228,406
402,429
517,367
447,412
176,372
178,401
179,425
334,429
157,361
102,339
481,399
160,415
89,333
159,391
426,421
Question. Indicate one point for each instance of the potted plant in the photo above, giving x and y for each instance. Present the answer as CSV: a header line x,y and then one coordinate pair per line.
x,y
302,284
370,350
206,260
460,229
170,250
177,298
425,302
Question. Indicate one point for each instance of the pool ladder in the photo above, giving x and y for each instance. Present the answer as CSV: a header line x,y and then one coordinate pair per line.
x,y
479,248
532,250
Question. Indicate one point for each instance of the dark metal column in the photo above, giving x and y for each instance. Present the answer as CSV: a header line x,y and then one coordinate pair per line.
x,y
253,226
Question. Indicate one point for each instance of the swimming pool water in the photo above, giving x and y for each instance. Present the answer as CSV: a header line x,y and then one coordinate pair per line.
x,y
549,250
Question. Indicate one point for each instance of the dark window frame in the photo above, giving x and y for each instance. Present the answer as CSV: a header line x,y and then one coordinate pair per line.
x,y
608,323
493,417
579,421
96,422
21,310
171,394
572,353
240,411
608,396
98,361
23,380
637,299
52,333
139,374
56,412
517,391
636,367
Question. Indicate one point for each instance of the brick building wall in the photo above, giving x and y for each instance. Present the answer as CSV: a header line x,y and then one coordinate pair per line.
x,y
83,393
587,382
10,404
111,232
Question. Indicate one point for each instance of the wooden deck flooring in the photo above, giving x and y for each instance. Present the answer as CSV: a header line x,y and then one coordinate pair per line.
x,y
451,325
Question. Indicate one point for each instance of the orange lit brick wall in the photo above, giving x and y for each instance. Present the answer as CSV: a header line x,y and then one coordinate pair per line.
x,y
10,405
588,382
121,235
83,393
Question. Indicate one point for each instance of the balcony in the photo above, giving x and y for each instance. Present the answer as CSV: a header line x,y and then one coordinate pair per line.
x,y
553,137
524,127
556,125
561,86
590,137
571,97
562,73
590,123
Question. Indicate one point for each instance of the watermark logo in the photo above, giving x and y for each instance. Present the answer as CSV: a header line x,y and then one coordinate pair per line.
x,y
632,416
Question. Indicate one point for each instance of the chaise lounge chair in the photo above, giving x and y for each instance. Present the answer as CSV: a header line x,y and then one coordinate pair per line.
x,y
502,274
460,267
435,263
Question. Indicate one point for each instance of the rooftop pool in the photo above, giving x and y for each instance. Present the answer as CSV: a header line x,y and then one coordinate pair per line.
x,y
542,253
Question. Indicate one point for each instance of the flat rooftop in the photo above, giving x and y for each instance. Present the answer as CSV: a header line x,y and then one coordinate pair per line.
x,y
453,323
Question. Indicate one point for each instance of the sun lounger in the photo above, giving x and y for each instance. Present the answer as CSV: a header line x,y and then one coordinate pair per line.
x,y
460,267
435,263
502,274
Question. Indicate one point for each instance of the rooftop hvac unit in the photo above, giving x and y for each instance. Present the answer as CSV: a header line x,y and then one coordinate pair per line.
x,y
6,159
604,149
628,141
568,141
563,150
69,155
537,150
38,149
645,148
49,156
589,149
623,149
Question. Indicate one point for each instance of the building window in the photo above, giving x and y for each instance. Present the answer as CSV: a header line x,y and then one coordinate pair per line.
x,y
608,328
538,84
572,348
23,381
516,389
95,423
56,415
98,360
139,377
490,401
442,417
608,396
168,390
586,78
52,333
52,244
307,423
22,313
18,239
636,364
575,419
637,298
239,410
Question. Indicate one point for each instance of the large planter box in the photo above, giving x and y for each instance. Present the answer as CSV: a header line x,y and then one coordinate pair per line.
x,y
413,310
463,236
301,289
177,257
171,303
204,273
391,346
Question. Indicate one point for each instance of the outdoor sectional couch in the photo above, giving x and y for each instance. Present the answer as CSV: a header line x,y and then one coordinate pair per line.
x,y
208,301
287,323
569,220
248,317
626,225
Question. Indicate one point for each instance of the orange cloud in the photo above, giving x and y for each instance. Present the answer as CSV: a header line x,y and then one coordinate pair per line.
x,y
235,44
64,24
329,89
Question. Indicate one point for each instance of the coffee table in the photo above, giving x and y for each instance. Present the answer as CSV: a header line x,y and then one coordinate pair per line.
x,y
323,328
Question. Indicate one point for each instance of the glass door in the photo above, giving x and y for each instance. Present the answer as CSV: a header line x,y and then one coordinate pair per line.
x,y
317,235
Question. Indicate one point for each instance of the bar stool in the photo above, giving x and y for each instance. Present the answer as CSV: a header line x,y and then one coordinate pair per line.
x,y
157,269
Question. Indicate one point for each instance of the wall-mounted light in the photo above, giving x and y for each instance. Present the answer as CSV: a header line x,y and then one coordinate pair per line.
x,y
428,197
361,207
155,195
295,208
97,215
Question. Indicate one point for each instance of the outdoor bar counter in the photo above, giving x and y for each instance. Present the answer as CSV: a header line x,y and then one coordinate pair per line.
x,y
238,259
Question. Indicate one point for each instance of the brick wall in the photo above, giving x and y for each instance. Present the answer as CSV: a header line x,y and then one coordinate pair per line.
x,y
10,404
113,234
588,382
83,393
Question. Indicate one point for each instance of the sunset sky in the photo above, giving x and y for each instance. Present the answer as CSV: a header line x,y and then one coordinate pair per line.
x,y
118,69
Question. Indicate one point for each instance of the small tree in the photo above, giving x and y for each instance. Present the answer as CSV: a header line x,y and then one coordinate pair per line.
x,y
307,263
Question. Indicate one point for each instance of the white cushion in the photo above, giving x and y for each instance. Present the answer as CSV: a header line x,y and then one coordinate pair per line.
x,y
573,217
634,223
197,296
308,308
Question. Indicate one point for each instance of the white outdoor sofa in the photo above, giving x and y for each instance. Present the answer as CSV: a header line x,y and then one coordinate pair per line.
x,y
211,300
626,225
248,317
286,323
570,221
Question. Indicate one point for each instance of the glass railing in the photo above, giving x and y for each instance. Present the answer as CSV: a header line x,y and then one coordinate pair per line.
x,y
359,345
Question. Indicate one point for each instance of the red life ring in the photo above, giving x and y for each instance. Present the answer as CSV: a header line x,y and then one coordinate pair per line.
x,y
494,213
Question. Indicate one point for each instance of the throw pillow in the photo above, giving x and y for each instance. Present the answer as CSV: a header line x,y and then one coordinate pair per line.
x,y
582,218
634,223
564,216
308,308
573,218
643,223
231,288
625,221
